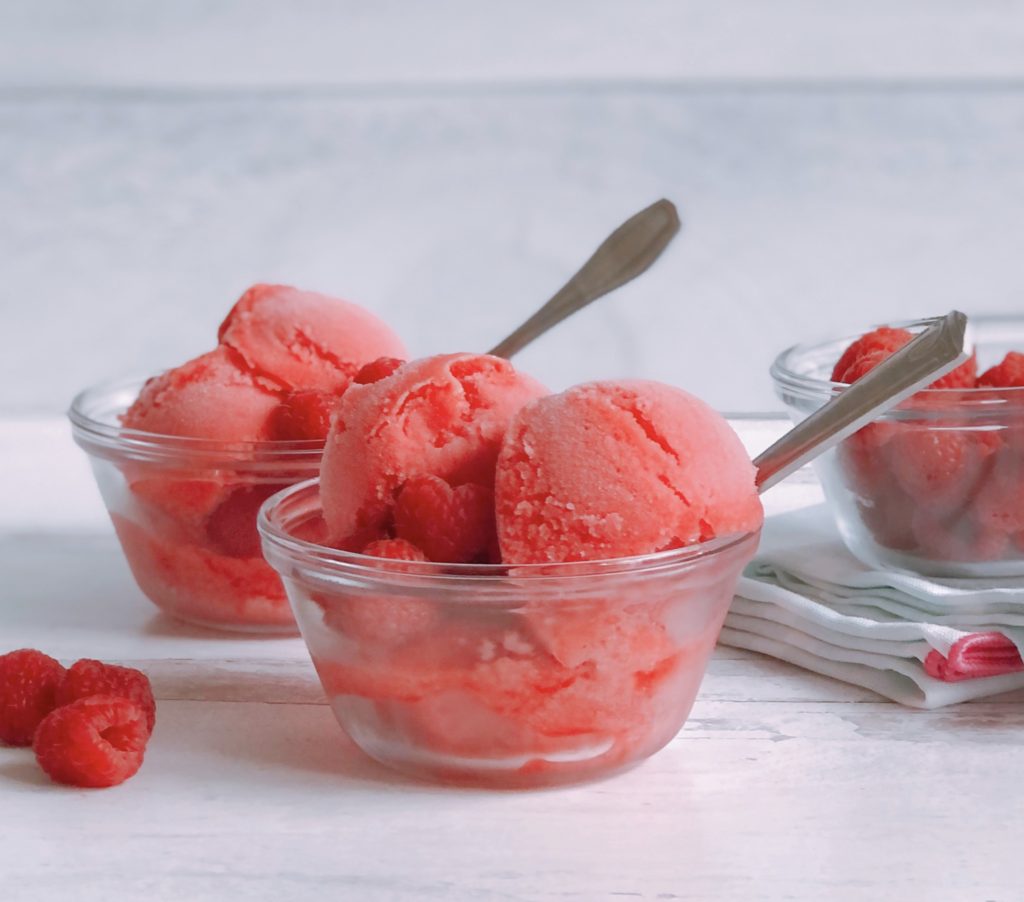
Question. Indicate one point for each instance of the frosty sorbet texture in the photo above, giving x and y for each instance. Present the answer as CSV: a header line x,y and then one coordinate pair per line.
x,y
615,469
442,417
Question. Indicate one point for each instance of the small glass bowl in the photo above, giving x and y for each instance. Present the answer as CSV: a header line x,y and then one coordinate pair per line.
x,y
935,486
503,676
184,510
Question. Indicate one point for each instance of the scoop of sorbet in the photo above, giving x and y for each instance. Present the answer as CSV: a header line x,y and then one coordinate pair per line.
x,y
213,396
303,339
615,469
442,416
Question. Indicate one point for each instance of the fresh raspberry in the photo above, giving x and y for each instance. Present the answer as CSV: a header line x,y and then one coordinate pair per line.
x,y
456,526
231,528
303,416
872,348
863,365
395,550
884,340
87,677
28,692
940,468
377,369
1008,374
93,742
964,376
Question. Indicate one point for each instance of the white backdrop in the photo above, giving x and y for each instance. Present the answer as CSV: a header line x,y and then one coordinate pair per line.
x,y
450,164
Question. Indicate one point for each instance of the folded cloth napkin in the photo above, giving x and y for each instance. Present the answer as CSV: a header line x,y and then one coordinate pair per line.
x,y
920,641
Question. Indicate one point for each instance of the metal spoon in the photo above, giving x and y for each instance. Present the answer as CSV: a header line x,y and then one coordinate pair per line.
x,y
625,254
932,354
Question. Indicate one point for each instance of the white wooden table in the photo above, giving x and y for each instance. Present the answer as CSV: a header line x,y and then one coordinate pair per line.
x,y
782,785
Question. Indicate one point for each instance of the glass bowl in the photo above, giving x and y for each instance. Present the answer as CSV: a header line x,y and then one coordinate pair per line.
x,y
503,676
935,486
184,510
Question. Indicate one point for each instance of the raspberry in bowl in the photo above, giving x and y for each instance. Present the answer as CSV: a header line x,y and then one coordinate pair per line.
x,y
183,460
935,486
507,588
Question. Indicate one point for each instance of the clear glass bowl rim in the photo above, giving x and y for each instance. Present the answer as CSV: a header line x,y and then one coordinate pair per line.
x,y
979,401
278,542
107,439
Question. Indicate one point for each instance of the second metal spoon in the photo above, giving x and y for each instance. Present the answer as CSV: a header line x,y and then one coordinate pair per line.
x,y
932,354
625,254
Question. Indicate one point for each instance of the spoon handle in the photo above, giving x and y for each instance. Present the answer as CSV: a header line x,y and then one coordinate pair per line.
x,y
623,255
931,355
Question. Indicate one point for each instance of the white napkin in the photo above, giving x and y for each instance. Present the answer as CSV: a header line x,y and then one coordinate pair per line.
x,y
807,600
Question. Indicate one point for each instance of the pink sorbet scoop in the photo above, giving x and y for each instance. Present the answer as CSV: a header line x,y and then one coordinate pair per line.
x,y
279,348
615,469
305,340
441,417
213,396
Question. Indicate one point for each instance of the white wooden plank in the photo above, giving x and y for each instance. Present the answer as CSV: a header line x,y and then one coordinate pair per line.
x,y
130,227
320,43
733,676
254,802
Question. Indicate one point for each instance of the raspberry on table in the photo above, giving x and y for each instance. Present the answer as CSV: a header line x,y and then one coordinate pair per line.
x,y
86,678
450,525
1009,373
28,690
303,416
376,370
93,742
395,550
